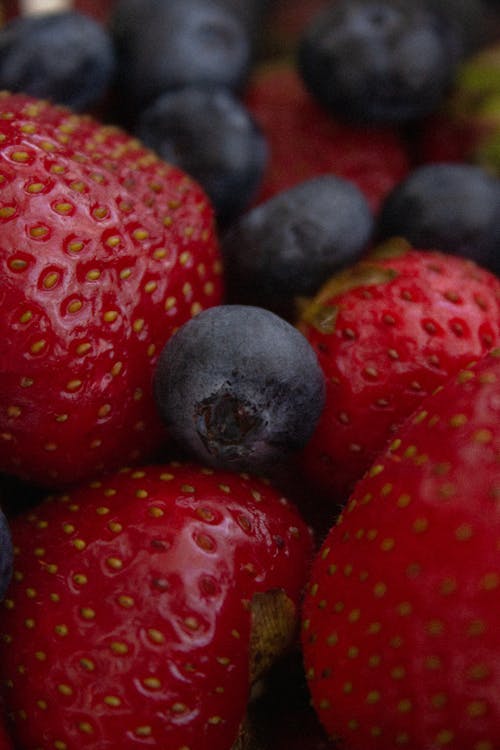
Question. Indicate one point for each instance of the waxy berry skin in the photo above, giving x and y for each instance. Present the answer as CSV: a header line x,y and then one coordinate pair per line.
x,y
370,61
448,207
211,136
288,245
65,56
6,554
239,388
165,45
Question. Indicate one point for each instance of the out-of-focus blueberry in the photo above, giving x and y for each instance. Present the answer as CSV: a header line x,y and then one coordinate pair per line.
x,y
212,136
67,57
450,207
167,44
289,245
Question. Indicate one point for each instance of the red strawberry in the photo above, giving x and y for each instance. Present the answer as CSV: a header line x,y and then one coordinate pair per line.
x,y
401,638
305,141
105,252
387,332
136,602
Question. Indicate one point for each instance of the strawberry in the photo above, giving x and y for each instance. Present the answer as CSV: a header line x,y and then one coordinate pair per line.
x,y
305,141
400,630
387,332
143,605
5,740
106,250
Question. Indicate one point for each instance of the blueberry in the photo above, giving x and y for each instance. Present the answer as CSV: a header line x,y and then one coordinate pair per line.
x,y
386,61
289,245
6,554
66,56
212,136
239,387
450,207
471,20
252,12
163,45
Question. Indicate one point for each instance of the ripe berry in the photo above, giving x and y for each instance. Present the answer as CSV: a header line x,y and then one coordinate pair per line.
x,y
163,45
105,251
239,387
388,331
305,140
213,137
144,606
290,244
6,554
379,61
401,636
448,207
65,56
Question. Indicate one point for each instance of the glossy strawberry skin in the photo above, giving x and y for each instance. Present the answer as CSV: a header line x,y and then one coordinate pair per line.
x,y
306,142
400,621
106,251
387,333
129,617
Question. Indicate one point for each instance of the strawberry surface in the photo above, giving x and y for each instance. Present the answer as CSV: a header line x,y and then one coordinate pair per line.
x,y
305,141
387,332
5,740
106,251
401,616
134,603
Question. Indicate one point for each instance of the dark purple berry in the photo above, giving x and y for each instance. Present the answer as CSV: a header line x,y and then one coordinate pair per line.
x,y
379,61
66,56
239,388
6,554
450,207
289,245
163,45
212,136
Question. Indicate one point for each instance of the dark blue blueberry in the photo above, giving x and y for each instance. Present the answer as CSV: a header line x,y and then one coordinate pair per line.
x,y
252,12
66,57
6,554
212,136
373,61
450,207
289,245
239,388
167,44
472,19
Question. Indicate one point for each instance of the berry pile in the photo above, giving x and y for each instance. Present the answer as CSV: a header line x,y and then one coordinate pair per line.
x,y
250,375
